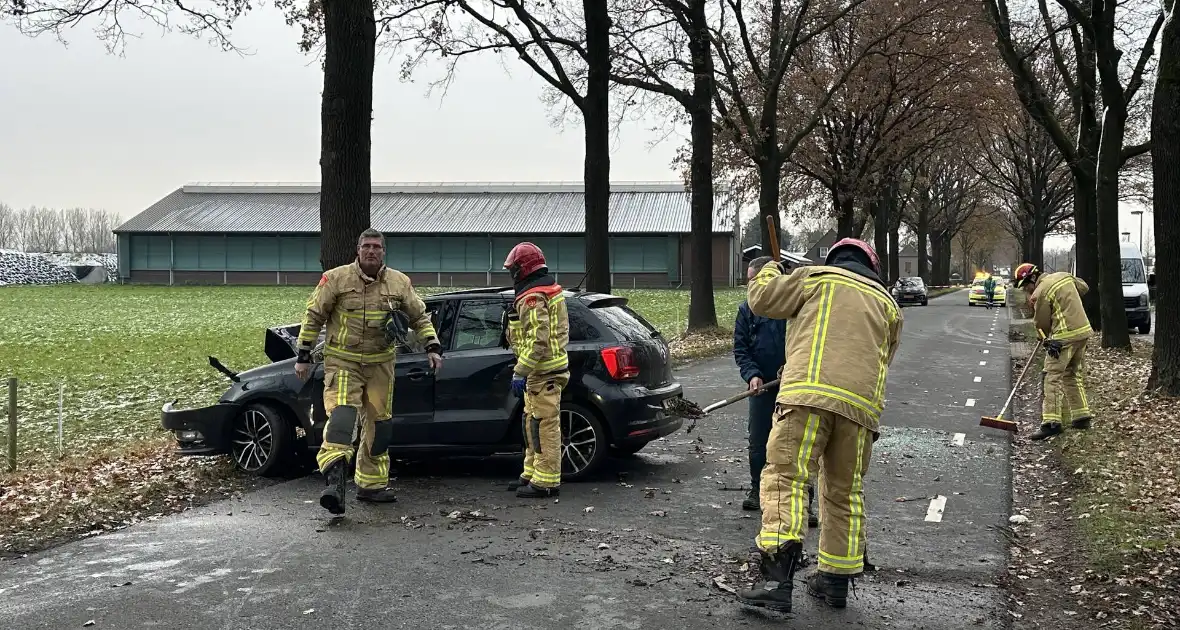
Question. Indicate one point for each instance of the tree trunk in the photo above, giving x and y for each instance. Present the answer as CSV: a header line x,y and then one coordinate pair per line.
x,y
923,238
346,114
1115,332
768,198
881,231
597,162
1036,245
702,309
894,251
846,217
1165,170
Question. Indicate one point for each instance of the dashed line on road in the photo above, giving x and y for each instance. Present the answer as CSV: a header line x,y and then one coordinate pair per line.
x,y
959,438
983,362
970,402
934,512
986,351
978,379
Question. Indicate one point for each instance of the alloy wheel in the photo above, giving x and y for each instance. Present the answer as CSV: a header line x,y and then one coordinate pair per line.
x,y
253,440
578,441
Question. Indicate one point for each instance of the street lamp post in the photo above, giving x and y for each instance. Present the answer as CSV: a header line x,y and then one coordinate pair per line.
x,y
1140,213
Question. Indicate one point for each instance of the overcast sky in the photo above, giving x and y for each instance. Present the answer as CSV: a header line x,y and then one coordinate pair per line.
x,y
85,128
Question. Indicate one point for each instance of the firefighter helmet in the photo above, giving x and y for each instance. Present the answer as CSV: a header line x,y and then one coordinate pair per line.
x,y
859,244
523,260
1023,274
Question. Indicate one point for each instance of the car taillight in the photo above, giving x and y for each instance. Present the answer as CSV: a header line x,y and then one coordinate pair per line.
x,y
620,362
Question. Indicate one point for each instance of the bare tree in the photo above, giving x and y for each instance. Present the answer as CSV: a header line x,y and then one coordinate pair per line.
x,y
1165,137
9,237
663,49
1097,79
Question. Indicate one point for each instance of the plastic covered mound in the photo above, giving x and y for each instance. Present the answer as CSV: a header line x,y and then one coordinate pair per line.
x,y
81,264
22,268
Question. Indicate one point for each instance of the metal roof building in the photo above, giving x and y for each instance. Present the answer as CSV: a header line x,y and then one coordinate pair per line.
x,y
441,234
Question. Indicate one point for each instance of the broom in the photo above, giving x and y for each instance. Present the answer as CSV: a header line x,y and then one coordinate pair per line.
x,y
998,421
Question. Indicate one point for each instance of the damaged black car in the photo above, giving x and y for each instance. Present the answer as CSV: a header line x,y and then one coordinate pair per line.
x,y
620,394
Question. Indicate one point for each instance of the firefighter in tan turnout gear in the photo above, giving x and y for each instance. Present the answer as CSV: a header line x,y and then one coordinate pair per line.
x,y
1056,299
368,309
845,333
538,332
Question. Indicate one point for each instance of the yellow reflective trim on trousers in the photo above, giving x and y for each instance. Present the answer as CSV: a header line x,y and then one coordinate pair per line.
x,y
842,562
835,393
810,431
544,477
342,388
370,479
360,357
855,503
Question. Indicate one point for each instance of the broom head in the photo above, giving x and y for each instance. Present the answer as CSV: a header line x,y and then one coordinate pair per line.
x,y
997,422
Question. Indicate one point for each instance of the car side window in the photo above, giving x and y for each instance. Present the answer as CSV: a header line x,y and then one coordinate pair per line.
x,y
479,324
414,342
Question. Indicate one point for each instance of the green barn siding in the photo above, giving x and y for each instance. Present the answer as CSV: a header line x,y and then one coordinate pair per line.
x,y
429,254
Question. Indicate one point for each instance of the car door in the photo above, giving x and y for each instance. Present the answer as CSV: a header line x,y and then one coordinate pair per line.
x,y
414,386
473,395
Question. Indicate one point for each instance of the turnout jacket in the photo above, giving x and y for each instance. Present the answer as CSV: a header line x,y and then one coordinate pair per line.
x,y
844,336
1057,306
539,329
353,307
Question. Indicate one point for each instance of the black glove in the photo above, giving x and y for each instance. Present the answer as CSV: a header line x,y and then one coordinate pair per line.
x,y
303,356
396,326
1053,348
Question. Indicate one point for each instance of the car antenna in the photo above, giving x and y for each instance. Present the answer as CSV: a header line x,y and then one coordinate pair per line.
x,y
579,287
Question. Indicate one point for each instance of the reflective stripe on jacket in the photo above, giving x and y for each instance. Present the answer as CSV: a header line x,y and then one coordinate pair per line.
x,y
1057,306
845,333
353,306
539,330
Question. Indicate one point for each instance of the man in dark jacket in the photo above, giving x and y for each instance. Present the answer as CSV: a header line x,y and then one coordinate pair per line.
x,y
759,347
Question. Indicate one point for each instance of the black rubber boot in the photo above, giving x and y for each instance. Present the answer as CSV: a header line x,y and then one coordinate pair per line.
x,y
1081,423
812,517
778,569
830,587
516,483
529,491
752,502
376,495
332,499
1048,429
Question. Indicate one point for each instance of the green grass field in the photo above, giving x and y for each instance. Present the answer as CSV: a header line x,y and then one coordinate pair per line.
x,y
121,352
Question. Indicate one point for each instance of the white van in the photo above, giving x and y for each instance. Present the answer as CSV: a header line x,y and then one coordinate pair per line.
x,y
1136,292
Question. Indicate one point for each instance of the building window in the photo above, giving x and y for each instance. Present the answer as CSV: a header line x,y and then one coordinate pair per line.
x,y
908,268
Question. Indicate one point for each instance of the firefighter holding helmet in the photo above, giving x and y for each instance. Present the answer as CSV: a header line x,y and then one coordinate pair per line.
x,y
1056,299
845,333
368,309
538,333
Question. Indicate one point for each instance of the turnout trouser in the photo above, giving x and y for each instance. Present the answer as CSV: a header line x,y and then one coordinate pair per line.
x,y
358,393
800,437
1065,393
542,429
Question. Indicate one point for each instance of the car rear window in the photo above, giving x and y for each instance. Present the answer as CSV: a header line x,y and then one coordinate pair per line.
x,y
626,322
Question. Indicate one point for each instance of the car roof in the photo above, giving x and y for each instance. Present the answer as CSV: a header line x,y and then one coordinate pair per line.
x,y
507,292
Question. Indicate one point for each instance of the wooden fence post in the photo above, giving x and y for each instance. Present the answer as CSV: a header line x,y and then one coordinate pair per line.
x,y
12,424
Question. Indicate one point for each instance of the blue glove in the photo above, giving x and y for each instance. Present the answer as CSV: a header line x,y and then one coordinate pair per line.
x,y
518,385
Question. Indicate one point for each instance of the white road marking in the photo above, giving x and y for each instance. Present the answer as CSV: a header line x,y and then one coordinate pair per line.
x,y
986,351
989,342
978,379
959,437
970,402
934,512
989,334
983,362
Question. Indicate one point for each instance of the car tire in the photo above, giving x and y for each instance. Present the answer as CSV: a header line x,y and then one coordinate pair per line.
x,y
1145,328
260,440
584,442
925,302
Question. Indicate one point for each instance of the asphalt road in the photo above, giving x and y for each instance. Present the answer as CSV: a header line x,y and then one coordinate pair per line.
x,y
664,523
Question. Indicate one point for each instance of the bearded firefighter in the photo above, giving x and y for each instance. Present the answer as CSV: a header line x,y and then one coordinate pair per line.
x,y
368,309
538,332
1056,299
845,333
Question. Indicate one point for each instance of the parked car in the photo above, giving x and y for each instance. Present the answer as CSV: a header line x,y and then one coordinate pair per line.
x,y
978,295
618,396
910,291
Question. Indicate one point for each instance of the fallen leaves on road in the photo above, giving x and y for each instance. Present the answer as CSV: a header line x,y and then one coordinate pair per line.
x,y
86,496
1096,530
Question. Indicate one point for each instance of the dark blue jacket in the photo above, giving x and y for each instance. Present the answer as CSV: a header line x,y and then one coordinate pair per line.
x,y
759,344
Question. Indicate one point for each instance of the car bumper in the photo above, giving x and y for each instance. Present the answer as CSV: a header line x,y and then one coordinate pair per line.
x,y
641,417
1138,315
200,431
910,299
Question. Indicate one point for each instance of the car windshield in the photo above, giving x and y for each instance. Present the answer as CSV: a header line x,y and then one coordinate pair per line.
x,y
911,283
1133,271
